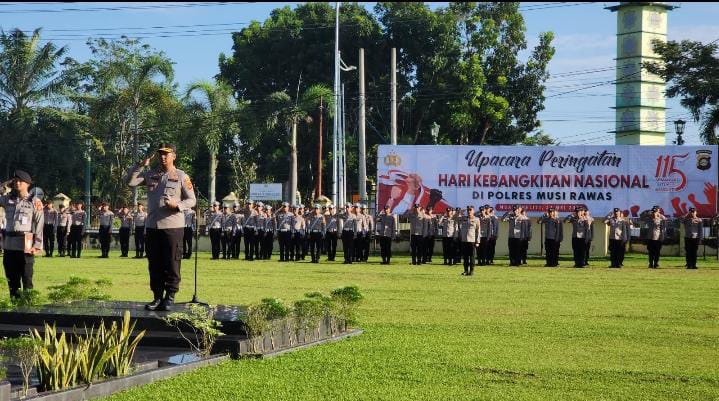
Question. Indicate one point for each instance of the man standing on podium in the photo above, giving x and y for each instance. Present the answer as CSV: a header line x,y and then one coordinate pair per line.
x,y
169,194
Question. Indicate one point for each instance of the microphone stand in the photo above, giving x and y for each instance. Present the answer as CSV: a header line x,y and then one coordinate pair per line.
x,y
195,299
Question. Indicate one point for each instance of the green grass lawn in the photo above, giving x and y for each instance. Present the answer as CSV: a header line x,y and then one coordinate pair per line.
x,y
529,333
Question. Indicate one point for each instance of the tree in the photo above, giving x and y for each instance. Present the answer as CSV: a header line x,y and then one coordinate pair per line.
x,y
216,111
539,139
692,71
29,77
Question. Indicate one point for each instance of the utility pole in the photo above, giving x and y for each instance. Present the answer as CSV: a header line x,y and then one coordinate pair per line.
x,y
319,156
362,150
394,96
88,183
336,105
293,163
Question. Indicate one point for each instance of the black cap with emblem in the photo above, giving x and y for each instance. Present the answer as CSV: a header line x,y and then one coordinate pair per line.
x,y
22,176
167,148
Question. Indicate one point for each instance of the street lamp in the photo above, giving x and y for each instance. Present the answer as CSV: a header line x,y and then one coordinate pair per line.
x,y
434,131
679,129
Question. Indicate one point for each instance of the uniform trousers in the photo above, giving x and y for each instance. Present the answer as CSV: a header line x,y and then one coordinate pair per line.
x,y
515,251
385,246
124,240
578,250
48,239
315,246
249,242
551,248
236,241
348,238
105,239
415,245
18,270
468,256
227,244
483,252
187,242
215,239
164,255
448,250
691,245
428,248
616,252
285,241
139,241
76,241
331,245
491,245
654,247
62,240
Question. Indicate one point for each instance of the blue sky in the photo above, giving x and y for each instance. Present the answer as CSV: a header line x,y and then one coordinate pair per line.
x,y
585,39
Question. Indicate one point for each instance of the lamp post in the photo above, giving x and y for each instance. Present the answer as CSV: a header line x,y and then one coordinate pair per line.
x,y
679,129
434,131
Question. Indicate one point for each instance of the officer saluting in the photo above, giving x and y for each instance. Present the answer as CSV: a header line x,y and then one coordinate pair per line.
x,y
169,194
214,229
23,232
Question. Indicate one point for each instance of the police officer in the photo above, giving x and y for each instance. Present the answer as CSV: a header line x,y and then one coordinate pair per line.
x,y
553,236
619,232
387,231
298,233
693,235
228,226
238,231
470,237
248,224
590,235
368,228
105,233
448,228
125,227
348,222
190,227
259,229
415,215
77,231
331,233
430,233
64,219
214,229
2,227
283,222
514,237
655,234
169,194
23,231
579,235
138,219
494,233
485,230
269,238
316,226
526,235
48,233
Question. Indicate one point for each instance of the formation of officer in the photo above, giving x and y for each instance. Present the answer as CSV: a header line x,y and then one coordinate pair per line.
x,y
24,226
169,194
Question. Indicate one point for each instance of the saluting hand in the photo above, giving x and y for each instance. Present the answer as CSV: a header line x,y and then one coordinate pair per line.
x,y
147,161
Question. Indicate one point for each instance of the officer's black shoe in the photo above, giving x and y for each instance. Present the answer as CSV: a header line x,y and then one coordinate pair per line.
x,y
14,293
167,302
155,303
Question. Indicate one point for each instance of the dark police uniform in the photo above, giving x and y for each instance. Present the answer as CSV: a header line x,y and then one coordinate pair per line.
x,y
64,220
165,226
139,223
105,232
283,223
553,236
48,233
24,230
693,235
331,234
469,235
619,232
316,227
125,228
188,234
77,231
387,231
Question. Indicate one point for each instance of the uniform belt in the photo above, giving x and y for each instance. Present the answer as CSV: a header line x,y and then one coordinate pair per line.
x,y
15,234
316,231
283,230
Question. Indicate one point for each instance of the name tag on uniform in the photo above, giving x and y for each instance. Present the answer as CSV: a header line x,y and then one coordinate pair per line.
x,y
580,234
517,231
23,219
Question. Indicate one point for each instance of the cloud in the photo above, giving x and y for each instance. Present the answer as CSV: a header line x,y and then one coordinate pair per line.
x,y
584,41
702,33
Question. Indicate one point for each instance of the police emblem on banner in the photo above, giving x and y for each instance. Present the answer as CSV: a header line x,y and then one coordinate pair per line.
x,y
392,159
704,159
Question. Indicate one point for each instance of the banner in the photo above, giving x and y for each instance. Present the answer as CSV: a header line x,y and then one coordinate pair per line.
x,y
631,177
266,192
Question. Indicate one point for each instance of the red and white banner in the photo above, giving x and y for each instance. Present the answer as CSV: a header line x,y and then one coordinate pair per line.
x,y
630,177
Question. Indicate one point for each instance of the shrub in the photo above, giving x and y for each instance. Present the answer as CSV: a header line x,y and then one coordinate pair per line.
x,y
347,300
79,289
307,313
29,297
204,327
121,360
23,351
328,309
58,360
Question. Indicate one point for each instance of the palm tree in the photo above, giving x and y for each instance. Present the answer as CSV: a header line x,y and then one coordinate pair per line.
x,y
28,76
282,111
216,104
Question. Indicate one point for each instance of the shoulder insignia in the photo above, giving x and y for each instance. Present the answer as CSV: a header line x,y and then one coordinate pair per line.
x,y
188,183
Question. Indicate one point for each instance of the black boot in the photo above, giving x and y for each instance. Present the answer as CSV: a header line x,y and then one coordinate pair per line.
x,y
167,302
155,302
14,293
